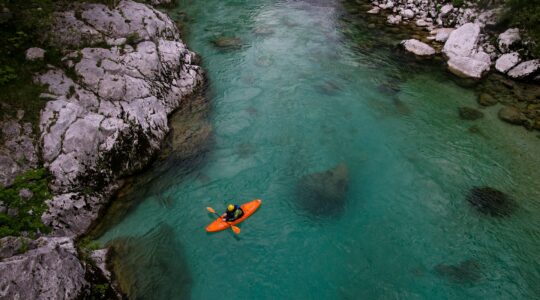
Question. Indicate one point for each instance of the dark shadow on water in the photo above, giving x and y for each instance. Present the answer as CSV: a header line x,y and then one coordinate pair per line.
x,y
184,150
152,266
468,271
323,194
492,202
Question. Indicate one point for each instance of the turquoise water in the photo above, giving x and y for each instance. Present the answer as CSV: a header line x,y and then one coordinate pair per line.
x,y
311,87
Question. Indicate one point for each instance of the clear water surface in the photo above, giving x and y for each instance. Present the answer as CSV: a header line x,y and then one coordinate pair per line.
x,y
311,87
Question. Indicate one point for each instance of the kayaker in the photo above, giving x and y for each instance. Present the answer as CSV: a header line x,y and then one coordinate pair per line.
x,y
233,212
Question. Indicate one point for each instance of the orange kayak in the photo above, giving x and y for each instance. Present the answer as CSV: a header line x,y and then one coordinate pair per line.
x,y
248,208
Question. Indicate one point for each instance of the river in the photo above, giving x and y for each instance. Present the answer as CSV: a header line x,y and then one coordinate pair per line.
x,y
311,87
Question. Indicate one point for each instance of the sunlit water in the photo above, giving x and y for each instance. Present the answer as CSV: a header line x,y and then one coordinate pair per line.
x,y
301,95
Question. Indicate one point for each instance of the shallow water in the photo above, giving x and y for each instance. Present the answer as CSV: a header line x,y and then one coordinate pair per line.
x,y
310,88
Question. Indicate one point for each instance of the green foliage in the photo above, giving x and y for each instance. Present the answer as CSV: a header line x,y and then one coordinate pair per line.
x,y
99,291
7,74
458,3
526,15
28,211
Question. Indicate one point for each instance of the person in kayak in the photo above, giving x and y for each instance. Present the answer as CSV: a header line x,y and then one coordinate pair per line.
x,y
233,212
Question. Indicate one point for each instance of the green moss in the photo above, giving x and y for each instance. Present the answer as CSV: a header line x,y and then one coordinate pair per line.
x,y
27,216
458,3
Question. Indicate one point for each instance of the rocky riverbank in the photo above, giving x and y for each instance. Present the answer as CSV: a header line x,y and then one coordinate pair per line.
x,y
475,47
123,70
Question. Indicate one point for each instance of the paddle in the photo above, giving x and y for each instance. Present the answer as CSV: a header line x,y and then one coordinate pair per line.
x,y
234,228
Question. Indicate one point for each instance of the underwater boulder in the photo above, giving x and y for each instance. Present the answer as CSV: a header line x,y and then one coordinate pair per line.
x,y
324,193
227,42
152,266
490,201
467,271
469,113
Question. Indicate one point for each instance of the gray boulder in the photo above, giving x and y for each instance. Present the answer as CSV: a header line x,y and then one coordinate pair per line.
x,y
50,271
34,53
525,69
507,61
508,38
418,48
468,67
462,41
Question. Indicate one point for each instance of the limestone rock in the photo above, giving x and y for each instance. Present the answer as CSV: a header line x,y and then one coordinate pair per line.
x,y
375,10
507,61
407,14
446,9
418,48
35,54
462,41
525,69
50,271
442,34
508,38
393,19
467,67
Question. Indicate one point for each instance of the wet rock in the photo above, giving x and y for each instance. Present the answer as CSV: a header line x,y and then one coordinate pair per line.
x,y
525,69
512,115
468,67
33,54
507,61
468,271
468,113
486,99
508,39
324,194
152,266
490,201
418,48
227,42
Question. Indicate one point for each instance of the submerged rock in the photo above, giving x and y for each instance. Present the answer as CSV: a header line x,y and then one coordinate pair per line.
x,y
328,88
512,115
228,42
152,266
465,272
468,113
490,201
486,99
324,194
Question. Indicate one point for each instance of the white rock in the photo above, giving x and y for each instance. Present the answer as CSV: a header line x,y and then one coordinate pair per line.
x,y
507,62
467,67
418,48
480,55
393,19
462,41
407,14
374,10
35,54
422,23
525,69
446,9
442,34
508,38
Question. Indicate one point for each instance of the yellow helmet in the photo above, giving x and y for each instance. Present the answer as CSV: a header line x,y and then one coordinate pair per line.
x,y
230,207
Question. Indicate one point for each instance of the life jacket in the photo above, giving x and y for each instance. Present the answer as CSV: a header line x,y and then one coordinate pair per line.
x,y
235,214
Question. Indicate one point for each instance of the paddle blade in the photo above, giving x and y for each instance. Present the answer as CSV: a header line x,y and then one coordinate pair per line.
x,y
235,229
211,210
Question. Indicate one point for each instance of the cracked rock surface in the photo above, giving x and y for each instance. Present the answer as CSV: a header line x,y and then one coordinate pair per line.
x,y
112,118
124,71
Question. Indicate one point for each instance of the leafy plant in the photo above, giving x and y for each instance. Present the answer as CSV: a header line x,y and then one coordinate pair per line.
x,y
25,214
